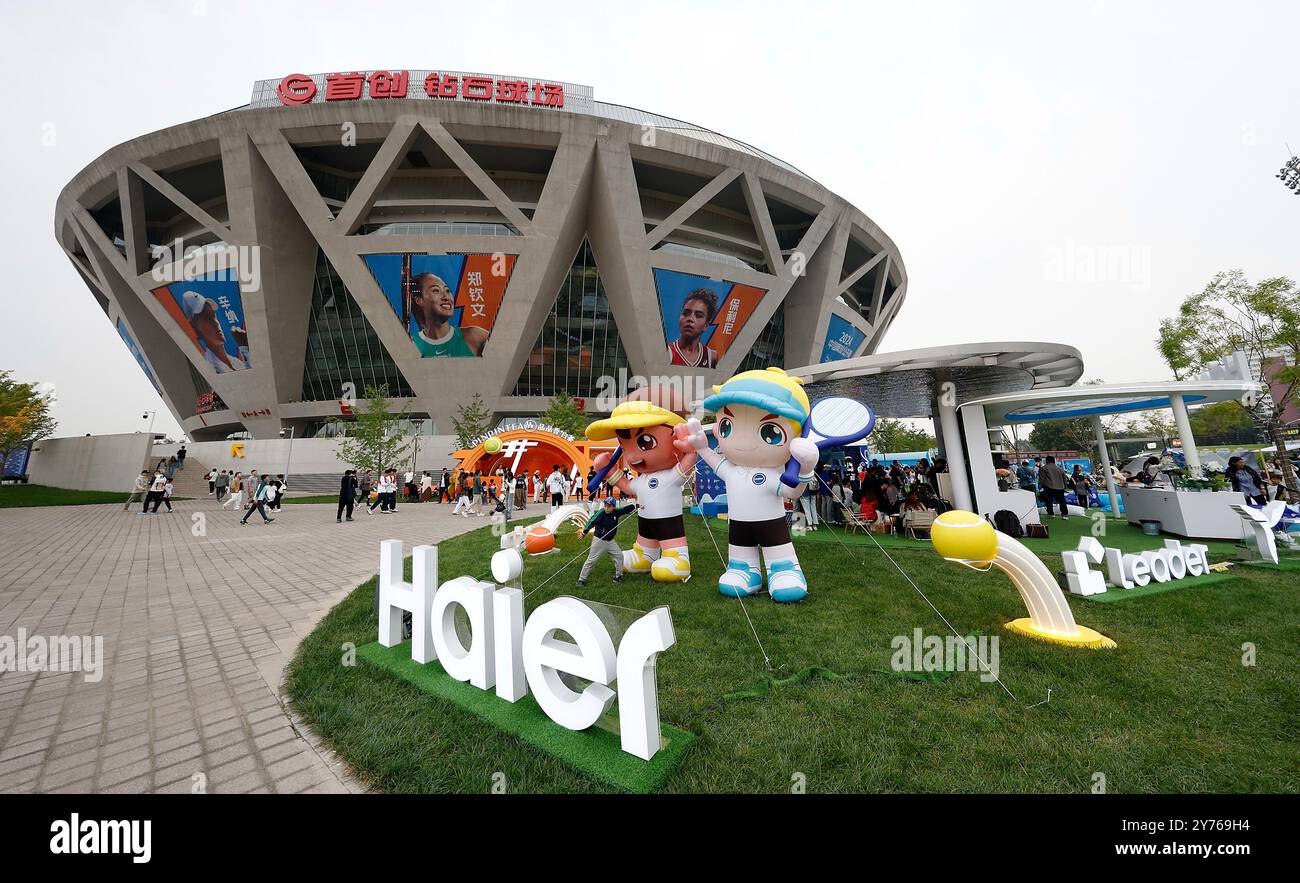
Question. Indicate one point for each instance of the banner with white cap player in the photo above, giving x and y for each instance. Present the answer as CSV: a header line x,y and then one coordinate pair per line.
x,y
210,312
651,432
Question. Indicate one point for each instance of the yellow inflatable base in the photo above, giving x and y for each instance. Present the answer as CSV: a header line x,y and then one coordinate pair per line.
x,y
1086,638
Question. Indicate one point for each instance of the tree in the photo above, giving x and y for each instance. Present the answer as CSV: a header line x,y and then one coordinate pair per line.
x,y
1221,418
24,415
471,421
1075,434
895,437
1262,320
376,439
563,413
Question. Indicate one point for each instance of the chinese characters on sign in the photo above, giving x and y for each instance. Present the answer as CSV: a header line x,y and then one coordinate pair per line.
x,y
302,89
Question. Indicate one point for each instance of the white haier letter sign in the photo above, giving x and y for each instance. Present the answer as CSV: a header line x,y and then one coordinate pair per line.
x,y
517,656
1174,561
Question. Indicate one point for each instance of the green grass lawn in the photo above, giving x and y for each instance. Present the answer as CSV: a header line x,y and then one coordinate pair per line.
x,y
1173,709
13,496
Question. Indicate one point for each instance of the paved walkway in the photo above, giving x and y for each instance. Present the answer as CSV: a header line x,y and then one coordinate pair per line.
x,y
196,633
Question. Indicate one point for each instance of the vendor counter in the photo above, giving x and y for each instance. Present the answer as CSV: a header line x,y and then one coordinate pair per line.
x,y
1192,514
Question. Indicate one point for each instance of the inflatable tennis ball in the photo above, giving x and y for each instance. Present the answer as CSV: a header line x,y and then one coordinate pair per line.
x,y
539,540
964,537
492,445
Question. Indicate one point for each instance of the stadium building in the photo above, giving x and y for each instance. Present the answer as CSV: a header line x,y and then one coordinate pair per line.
x,y
442,234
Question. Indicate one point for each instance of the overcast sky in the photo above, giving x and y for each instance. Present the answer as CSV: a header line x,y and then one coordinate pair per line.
x,y
1006,148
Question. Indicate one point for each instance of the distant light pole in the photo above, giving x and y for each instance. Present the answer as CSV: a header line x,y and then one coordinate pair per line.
x,y
289,458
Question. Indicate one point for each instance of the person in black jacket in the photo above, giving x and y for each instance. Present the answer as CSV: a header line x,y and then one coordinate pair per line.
x,y
1246,480
347,494
604,524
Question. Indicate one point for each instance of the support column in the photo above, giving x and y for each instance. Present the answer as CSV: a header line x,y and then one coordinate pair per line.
x,y
1185,433
945,408
1104,456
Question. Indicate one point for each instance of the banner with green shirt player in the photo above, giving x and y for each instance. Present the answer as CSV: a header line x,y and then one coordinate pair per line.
x,y
448,302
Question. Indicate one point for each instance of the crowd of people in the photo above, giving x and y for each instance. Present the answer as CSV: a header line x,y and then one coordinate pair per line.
x,y
471,492
1045,478
875,492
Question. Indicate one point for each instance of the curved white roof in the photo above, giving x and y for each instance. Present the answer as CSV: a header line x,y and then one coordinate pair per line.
x,y
1037,406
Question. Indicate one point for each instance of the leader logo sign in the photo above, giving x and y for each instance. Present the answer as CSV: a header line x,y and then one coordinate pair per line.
x,y
518,657
1174,561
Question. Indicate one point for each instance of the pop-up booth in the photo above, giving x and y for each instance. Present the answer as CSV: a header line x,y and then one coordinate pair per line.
x,y
1187,513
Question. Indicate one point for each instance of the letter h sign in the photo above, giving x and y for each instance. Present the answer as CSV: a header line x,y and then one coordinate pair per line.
x,y
415,597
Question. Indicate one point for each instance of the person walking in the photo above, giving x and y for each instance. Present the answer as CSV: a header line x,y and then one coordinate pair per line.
x,y
537,486
180,458
236,497
154,496
462,496
381,498
165,498
258,503
604,525
222,484
1080,481
521,490
508,493
1052,479
347,494
211,479
476,494
363,493
555,485
139,490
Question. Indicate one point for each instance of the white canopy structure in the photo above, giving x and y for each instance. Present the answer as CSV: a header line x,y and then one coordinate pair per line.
x,y
1041,405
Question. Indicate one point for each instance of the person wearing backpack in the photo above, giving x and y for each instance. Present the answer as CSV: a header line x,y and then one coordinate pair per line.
x,y
258,503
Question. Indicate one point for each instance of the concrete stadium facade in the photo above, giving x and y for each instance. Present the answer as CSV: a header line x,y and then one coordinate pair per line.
x,y
594,203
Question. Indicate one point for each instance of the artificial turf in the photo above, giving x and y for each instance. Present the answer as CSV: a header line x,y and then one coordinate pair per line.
x,y
596,752
1201,695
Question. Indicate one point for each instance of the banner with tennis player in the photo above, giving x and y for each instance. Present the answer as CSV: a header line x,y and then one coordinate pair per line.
x,y
702,316
448,302
210,312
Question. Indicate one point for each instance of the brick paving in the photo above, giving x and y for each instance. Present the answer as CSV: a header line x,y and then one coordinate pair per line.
x,y
196,633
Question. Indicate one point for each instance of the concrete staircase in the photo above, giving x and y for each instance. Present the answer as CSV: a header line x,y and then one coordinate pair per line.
x,y
187,482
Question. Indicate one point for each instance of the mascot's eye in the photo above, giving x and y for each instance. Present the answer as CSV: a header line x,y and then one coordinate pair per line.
x,y
724,427
646,442
771,433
